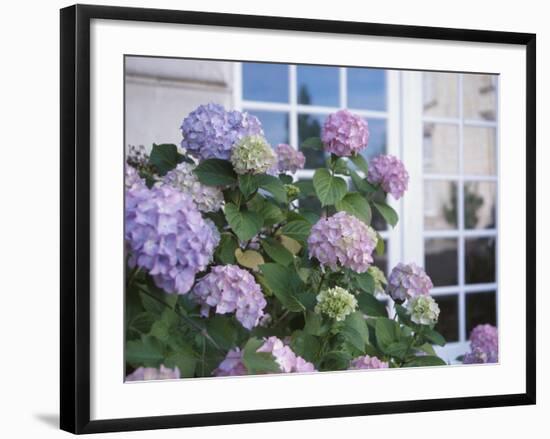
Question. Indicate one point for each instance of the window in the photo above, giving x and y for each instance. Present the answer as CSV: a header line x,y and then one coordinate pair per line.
x,y
292,101
459,168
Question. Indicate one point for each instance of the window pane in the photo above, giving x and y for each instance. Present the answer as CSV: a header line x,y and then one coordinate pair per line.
x,y
440,94
480,96
265,82
441,260
480,204
275,125
382,261
481,308
480,260
479,151
440,148
367,89
309,125
447,324
440,205
318,86
377,138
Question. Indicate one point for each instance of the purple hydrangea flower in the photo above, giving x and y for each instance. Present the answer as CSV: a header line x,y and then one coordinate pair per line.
x,y
342,239
367,362
132,178
167,236
229,288
232,365
407,281
210,131
483,344
288,159
344,133
151,373
285,357
390,173
207,198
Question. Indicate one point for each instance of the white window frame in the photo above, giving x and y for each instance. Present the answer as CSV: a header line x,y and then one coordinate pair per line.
x,y
413,215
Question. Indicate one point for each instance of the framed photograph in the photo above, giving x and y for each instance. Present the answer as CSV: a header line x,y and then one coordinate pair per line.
x,y
275,218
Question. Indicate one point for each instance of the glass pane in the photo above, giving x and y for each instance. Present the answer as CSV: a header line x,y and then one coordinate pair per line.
x,y
318,86
441,260
440,92
481,308
480,199
440,205
275,125
265,82
309,125
480,260
480,96
447,324
479,151
367,89
382,261
377,138
440,148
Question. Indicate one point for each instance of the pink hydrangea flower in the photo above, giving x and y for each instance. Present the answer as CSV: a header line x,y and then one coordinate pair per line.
x,y
344,240
228,288
344,133
483,344
368,362
288,159
285,357
390,173
232,365
151,373
407,281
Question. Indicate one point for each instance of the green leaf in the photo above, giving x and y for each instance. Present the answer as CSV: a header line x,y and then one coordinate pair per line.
x,y
426,360
434,336
305,345
336,360
223,331
245,224
387,213
249,259
356,331
365,281
329,189
386,332
313,324
142,322
285,284
286,179
312,143
356,205
270,213
258,362
184,360
306,188
359,161
151,305
247,184
276,251
380,246
165,157
225,252
361,184
272,185
398,349
216,172
297,230
146,352
427,348
371,306
341,166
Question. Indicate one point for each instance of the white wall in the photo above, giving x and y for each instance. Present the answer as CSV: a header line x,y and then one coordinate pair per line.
x,y
29,182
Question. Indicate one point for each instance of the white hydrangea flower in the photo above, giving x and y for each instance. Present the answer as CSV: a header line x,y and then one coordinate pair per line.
x,y
252,155
424,310
337,303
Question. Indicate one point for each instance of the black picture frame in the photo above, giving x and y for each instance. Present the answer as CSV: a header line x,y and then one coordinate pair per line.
x,y
75,217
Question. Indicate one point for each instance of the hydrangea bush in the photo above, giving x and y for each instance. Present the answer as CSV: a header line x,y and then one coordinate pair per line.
x,y
228,275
